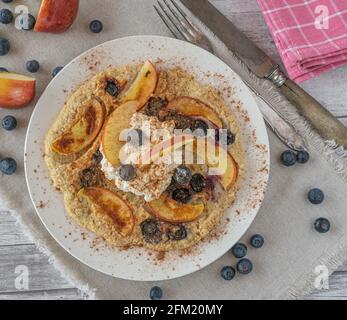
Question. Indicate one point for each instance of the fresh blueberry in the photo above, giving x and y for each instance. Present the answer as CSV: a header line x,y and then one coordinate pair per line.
x,y
4,46
156,293
316,196
288,158
182,195
9,123
228,273
33,66
3,69
6,16
27,22
322,225
198,182
127,172
96,26
257,241
135,137
225,137
7,1
303,157
199,128
151,231
56,71
177,233
244,266
239,250
182,175
8,166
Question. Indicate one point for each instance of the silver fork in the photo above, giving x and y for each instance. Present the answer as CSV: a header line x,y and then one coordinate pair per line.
x,y
182,27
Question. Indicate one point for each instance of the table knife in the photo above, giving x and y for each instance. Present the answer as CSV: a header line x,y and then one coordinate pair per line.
x,y
263,66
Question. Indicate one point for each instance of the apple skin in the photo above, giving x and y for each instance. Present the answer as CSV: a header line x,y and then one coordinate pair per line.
x,y
16,91
56,16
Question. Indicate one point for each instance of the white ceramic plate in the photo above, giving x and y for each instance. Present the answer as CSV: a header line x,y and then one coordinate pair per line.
x,y
140,264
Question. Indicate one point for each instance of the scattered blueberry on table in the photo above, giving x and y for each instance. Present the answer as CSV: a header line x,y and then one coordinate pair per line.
x,y
56,71
7,1
239,250
156,293
6,16
303,157
33,66
96,26
257,241
322,225
8,166
9,123
27,22
289,158
228,273
4,46
316,196
3,69
244,266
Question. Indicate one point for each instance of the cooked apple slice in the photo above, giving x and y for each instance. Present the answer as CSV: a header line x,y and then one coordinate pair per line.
x,y
166,147
195,108
56,16
16,91
221,163
110,204
83,132
118,121
143,86
171,211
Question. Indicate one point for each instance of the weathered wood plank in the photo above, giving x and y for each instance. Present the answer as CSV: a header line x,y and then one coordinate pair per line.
x,y
60,294
10,233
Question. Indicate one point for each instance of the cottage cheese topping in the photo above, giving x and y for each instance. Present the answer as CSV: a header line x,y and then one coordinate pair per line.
x,y
151,179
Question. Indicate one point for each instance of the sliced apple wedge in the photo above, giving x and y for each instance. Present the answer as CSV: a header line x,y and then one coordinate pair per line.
x,y
56,16
83,132
118,121
110,204
143,86
171,211
221,163
195,108
16,91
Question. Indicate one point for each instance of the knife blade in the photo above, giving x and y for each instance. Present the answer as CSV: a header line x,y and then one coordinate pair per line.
x,y
263,66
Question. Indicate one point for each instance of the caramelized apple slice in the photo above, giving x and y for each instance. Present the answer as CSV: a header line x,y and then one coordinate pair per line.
x,y
16,91
83,132
118,121
56,16
195,108
171,211
143,86
110,204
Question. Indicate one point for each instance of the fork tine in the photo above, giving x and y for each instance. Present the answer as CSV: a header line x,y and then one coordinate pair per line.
x,y
184,15
166,21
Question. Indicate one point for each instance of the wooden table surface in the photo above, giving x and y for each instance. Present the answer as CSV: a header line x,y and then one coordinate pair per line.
x,y
46,282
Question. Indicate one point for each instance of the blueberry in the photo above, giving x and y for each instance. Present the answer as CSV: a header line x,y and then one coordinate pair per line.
x,y
3,69
135,137
27,21
7,1
9,123
113,88
244,266
303,157
322,225
198,182
56,70
288,158
33,66
199,128
151,231
8,166
239,250
182,175
4,46
228,273
316,196
96,26
6,16
127,172
156,293
257,241
177,233
182,195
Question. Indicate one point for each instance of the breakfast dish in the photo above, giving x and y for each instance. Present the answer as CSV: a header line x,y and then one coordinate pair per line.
x,y
146,156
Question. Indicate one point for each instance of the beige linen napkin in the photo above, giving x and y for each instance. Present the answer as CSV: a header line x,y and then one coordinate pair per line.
x,y
283,268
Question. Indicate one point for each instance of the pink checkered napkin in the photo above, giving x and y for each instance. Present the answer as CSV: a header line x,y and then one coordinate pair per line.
x,y
308,50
